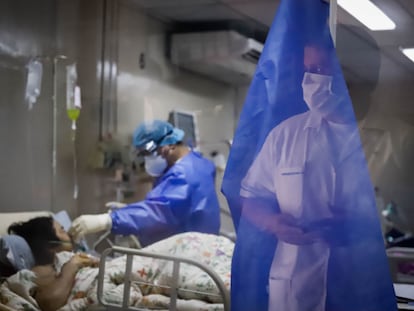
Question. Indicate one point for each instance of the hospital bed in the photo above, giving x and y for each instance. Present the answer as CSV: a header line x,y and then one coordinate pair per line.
x,y
401,260
172,288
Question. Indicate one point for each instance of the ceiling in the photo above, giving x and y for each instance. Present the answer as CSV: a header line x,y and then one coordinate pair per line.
x,y
355,48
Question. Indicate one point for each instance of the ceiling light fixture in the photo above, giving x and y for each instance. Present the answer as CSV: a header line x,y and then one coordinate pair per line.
x,y
368,14
409,52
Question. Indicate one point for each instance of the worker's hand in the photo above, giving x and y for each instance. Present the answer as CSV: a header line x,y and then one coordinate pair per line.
x,y
287,229
339,230
82,260
86,224
115,205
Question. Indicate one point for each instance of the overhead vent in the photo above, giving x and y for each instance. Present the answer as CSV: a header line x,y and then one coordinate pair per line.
x,y
220,55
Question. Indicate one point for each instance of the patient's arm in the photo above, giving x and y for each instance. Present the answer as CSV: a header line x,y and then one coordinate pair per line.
x,y
54,289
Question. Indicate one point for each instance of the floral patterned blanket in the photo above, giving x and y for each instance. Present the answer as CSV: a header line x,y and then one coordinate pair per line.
x,y
214,251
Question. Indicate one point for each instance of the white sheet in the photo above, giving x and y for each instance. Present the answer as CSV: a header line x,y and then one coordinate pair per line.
x,y
404,290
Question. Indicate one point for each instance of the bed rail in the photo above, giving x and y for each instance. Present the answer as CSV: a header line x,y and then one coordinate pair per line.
x,y
398,258
176,260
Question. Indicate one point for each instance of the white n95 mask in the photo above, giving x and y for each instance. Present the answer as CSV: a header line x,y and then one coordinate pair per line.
x,y
318,95
317,92
155,165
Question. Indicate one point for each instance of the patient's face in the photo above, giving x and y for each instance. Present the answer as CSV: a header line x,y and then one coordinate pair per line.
x,y
62,236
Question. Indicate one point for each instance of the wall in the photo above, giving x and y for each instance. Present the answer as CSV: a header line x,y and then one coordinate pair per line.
x,y
25,174
387,131
152,91
38,153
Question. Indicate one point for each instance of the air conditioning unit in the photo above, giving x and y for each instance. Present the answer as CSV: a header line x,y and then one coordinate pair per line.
x,y
221,55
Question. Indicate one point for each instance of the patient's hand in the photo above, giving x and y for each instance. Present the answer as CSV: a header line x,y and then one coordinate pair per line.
x,y
53,292
82,260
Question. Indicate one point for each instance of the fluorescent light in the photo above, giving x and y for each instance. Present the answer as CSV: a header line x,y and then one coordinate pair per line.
x,y
368,14
409,52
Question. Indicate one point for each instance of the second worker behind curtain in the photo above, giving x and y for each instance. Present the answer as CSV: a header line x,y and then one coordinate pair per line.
x,y
313,166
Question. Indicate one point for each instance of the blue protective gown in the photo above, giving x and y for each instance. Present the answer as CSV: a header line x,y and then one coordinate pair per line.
x,y
183,199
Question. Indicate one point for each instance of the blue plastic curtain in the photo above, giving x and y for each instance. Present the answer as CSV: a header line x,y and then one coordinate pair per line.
x,y
308,233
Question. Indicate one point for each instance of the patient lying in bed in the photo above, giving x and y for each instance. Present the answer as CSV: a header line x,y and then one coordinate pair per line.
x,y
63,280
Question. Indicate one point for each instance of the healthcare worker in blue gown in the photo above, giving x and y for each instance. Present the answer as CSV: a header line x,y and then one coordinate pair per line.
x,y
308,233
183,197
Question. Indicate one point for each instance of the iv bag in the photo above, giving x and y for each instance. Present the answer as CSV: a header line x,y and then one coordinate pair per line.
x,y
34,82
73,101
71,79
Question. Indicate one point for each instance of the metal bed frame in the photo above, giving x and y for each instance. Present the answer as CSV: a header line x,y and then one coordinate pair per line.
x,y
397,255
177,261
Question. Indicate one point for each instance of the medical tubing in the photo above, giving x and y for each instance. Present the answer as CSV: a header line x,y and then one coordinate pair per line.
x,y
75,166
54,128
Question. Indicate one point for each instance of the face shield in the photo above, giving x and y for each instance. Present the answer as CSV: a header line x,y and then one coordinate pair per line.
x,y
150,135
155,164
148,149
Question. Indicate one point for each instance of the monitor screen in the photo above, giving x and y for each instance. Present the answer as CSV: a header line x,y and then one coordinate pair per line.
x,y
186,122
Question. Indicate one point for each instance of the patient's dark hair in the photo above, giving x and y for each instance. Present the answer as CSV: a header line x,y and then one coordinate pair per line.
x,y
37,232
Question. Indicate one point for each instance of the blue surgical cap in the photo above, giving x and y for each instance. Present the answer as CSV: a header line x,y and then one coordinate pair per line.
x,y
160,132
